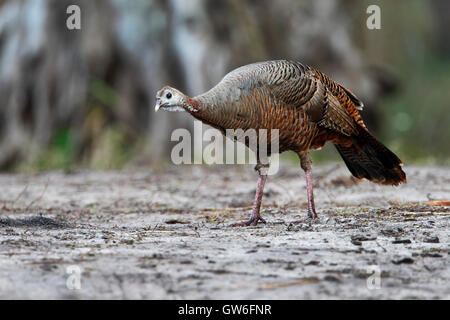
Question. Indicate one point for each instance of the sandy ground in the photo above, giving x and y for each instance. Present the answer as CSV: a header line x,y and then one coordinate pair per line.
x,y
142,234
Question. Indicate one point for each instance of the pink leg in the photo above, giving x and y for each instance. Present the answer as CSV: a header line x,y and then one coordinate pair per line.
x,y
255,216
305,162
309,190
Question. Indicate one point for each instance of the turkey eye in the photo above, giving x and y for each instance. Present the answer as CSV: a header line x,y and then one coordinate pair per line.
x,y
168,95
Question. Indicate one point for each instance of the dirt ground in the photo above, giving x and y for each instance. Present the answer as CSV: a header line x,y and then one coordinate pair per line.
x,y
144,234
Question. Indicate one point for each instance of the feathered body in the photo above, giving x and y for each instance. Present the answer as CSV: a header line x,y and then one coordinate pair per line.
x,y
307,108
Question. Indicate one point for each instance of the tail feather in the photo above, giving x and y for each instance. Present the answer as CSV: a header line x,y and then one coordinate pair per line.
x,y
368,158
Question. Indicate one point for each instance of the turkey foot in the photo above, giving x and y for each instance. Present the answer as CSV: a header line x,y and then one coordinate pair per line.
x,y
312,215
253,221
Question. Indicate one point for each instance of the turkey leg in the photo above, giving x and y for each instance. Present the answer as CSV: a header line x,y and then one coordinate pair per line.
x,y
255,216
305,163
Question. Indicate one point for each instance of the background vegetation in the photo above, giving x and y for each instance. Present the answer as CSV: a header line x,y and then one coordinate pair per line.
x,y
85,97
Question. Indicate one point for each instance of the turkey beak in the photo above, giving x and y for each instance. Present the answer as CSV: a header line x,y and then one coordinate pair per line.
x,y
158,105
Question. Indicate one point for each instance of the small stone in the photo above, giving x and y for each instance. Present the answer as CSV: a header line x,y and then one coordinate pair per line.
x,y
331,278
290,266
431,240
405,260
431,255
398,241
127,241
360,237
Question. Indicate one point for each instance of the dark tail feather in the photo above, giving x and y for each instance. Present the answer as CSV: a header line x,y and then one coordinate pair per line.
x,y
368,158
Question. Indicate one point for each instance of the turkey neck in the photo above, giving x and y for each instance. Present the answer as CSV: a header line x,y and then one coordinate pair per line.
x,y
206,104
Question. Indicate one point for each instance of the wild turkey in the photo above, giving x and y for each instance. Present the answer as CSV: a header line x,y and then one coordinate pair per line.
x,y
306,106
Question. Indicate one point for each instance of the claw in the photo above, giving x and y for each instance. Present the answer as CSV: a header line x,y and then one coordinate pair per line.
x,y
251,222
312,215
304,220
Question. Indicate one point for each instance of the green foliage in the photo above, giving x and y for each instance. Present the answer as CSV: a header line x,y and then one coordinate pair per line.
x,y
111,149
416,118
59,155
101,92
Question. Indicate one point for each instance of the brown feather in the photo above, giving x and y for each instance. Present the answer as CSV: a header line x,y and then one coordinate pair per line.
x,y
306,106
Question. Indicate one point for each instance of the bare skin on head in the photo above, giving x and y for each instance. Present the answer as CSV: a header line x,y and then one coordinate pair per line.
x,y
307,108
170,99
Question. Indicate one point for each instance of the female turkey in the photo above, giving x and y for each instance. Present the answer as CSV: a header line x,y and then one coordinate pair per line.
x,y
307,108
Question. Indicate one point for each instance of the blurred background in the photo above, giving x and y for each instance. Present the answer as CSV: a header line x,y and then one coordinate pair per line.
x,y
85,98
